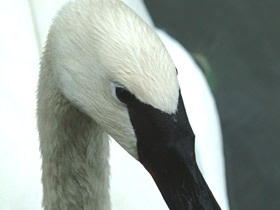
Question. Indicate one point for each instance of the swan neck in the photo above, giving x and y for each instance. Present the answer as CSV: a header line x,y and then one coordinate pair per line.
x,y
75,150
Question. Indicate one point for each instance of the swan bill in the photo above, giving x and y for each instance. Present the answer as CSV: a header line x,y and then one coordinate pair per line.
x,y
165,144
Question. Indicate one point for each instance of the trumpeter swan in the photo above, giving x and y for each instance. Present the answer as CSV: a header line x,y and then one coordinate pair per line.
x,y
19,187
104,71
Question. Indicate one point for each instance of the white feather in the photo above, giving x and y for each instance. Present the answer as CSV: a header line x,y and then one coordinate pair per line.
x,y
20,174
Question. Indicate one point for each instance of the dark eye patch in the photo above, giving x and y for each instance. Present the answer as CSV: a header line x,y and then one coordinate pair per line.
x,y
124,95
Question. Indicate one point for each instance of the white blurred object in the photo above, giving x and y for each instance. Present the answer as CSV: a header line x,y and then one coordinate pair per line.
x,y
24,30
20,174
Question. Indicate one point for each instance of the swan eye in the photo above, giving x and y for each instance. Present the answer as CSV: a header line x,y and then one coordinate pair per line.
x,y
124,95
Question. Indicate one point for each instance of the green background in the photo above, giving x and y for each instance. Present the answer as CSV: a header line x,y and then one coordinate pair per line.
x,y
238,44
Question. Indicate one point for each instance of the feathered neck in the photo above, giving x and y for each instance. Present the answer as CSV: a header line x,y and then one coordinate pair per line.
x,y
74,152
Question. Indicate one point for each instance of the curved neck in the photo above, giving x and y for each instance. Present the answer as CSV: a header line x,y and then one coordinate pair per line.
x,y
74,153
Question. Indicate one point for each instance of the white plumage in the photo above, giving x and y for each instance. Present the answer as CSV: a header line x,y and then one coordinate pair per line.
x,y
200,105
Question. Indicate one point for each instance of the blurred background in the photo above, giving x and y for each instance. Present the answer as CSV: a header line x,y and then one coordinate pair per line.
x,y
238,43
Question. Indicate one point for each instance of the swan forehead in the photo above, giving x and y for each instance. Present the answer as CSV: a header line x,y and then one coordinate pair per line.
x,y
160,91
133,55
146,69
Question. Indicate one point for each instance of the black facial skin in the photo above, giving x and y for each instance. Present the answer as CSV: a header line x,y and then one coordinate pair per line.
x,y
165,146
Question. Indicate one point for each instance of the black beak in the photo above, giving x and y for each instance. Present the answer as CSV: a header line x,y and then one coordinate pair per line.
x,y
165,146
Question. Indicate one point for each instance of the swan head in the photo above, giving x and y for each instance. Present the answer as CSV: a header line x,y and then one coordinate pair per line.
x,y
113,67
105,46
